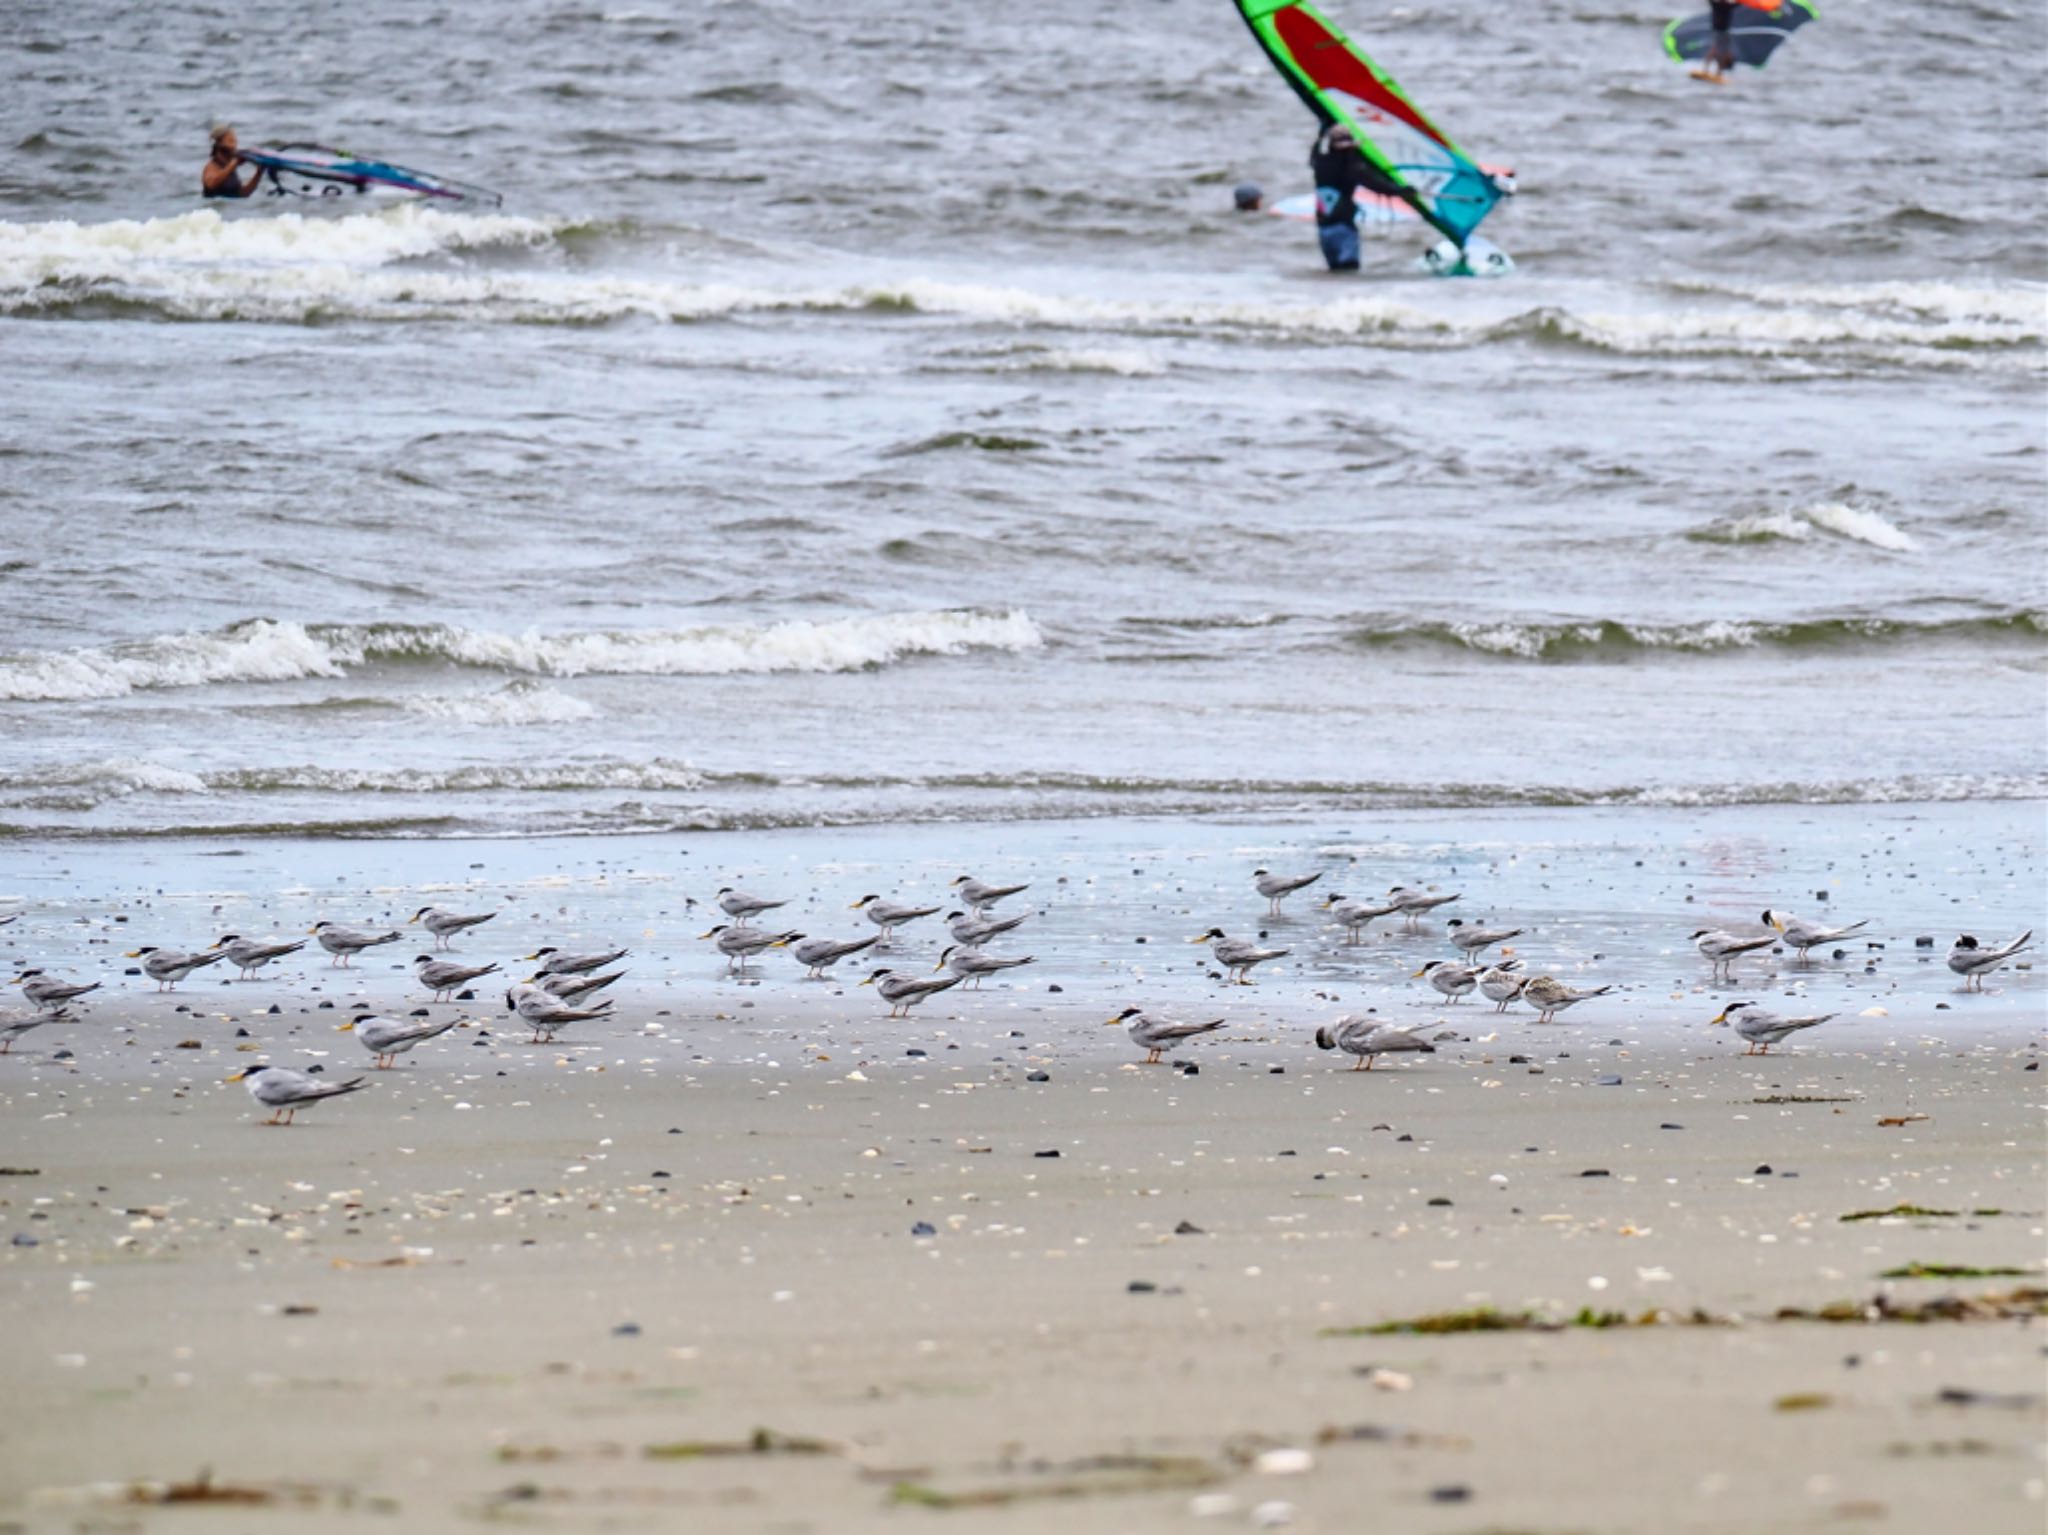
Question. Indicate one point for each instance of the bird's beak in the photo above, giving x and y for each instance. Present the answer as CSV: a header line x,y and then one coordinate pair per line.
x,y
712,934
1110,1023
524,957
938,967
132,954
311,931
1203,939
856,906
781,943
344,1028
238,1076
409,921
1418,975
869,981
1778,923
1721,1018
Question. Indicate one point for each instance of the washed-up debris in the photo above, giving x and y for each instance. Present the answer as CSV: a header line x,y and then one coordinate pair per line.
x,y
1915,1212
1803,1401
21,1172
763,1441
1894,1121
1800,1098
1094,1476
1952,1271
2027,1301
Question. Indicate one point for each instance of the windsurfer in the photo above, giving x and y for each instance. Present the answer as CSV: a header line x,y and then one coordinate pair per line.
x,y
1721,50
1342,172
218,179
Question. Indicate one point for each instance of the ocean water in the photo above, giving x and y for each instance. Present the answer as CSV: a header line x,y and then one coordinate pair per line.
x,y
864,414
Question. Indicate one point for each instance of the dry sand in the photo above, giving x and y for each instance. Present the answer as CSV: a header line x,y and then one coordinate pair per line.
x,y
535,1284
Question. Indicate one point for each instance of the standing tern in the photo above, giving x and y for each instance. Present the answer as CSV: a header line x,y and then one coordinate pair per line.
x,y
890,915
47,991
1764,1029
976,930
1503,983
1972,961
1804,935
1550,996
1237,955
555,962
344,943
1469,939
742,907
1156,1034
547,1013
389,1038
817,955
167,967
445,924
1724,948
740,944
970,964
1356,915
903,992
1414,902
14,1025
249,955
442,976
1277,887
1369,1040
1447,976
978,897
284,1091
573,988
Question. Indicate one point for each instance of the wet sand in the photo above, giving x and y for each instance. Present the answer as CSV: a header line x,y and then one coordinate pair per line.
x,y
535,1284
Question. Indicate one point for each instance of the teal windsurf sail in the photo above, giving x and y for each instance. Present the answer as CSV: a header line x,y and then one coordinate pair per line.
x,y
315,170
1341,85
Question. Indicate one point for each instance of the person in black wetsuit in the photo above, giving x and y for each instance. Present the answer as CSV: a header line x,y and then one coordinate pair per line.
x,y
1341,173
218,178
1721,48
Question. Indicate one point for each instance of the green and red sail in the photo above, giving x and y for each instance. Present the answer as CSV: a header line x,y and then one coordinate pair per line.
x,y
1341,85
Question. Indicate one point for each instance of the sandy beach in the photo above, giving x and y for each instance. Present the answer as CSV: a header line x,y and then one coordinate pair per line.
x,y
750,1256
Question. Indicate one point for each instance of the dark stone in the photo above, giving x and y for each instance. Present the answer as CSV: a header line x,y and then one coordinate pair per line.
x,y
1190,1069
1276,1071
1052,1153
327,1006
1055,988
1608,1082
1141,1287
913,1050
1596,1172
1038,1076
1518,1060
1922,942
23,1239
1670,1127
1456,1493
924,1229
1440,1201
626,1330
1764,1170
273,1010
1189,1229
657,1173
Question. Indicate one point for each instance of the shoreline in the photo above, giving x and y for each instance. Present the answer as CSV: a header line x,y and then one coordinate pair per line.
x,y
568,1285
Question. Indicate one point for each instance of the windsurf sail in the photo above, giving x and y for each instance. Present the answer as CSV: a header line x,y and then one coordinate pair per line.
x,y
1755,32
1374,208
316,170
1341,85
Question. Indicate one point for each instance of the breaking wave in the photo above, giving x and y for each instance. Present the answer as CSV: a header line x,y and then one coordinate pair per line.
x,y
1855,523
270,650
195,268
1615,640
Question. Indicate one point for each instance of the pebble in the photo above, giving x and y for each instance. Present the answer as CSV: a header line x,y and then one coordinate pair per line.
x,y
1189,1229
626,1330
924,1229
1596,1172
1141,1287
1668,1126
1763,1170
1038,1076
1052,1153
1456,1492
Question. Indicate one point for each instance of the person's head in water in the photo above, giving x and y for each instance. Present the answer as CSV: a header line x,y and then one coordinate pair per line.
x,y
1341,138
1248,197
224,144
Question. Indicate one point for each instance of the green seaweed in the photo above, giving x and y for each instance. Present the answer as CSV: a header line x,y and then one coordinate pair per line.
x,y
1096,1476
763,1441
1913,1212
1952,1271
